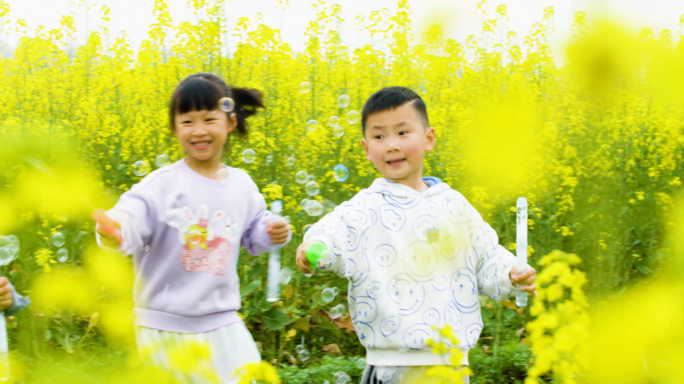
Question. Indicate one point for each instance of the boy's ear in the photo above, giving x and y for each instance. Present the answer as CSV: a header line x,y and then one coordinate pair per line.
x,y
365,149
430,136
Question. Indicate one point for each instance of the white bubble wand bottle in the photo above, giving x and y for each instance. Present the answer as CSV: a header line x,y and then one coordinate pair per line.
x,y
273,283
521,246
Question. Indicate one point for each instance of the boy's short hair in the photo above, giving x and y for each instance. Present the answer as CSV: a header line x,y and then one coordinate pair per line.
x,y
391,98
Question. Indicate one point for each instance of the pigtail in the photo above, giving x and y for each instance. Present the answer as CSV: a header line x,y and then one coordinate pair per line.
x,y
247,103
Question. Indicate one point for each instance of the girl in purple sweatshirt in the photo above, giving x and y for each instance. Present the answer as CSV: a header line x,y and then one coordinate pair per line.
x,y
184,224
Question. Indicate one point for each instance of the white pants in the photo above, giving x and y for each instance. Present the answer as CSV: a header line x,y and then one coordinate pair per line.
x,y
232,346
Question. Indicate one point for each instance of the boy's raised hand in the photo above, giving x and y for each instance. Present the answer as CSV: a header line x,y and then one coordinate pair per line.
x,y
108,229
527,278
302,261
278,231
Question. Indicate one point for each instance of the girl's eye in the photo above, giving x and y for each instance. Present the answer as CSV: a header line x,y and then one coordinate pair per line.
x,y
210,119
186,122
403,133
378,137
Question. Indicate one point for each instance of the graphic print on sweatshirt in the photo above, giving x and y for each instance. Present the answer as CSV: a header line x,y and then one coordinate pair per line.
x,y
207,244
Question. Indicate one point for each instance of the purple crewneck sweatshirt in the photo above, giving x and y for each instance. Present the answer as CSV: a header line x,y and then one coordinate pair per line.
x,y
184,232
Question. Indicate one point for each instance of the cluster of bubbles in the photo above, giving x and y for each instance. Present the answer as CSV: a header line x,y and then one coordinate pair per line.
x,y
226,104
337,311
58,241
248,155
341,377
9,249
329,294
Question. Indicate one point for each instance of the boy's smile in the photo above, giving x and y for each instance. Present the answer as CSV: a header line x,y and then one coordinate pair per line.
x,y
396,141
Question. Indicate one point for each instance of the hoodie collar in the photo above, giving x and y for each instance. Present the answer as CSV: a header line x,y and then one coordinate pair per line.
x,y
397,190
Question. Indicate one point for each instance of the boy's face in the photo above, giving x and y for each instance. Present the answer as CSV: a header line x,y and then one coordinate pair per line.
x,y
396,141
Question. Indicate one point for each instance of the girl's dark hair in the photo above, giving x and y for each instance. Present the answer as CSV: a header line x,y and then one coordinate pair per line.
x,y
202,91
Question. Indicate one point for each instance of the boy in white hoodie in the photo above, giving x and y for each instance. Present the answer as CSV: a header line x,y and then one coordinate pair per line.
x,y
416,253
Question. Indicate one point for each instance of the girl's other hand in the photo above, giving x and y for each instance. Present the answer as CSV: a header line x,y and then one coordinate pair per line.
x,y
527,279
108,229
6,296
278,230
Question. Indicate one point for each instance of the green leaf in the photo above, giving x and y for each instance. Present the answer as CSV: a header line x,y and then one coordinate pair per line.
x,y
244,291
643,268
275,318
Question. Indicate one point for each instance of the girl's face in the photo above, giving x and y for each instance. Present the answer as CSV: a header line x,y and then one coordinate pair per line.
x,y
202,134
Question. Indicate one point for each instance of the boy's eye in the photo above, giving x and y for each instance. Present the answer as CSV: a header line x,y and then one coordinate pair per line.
x,y
186,122
378,137
403,132
210,119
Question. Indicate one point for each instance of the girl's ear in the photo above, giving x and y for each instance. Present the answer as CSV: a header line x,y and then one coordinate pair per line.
x,y
232,122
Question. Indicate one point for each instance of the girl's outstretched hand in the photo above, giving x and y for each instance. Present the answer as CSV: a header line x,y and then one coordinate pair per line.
x,y
526,278
278,230
109,230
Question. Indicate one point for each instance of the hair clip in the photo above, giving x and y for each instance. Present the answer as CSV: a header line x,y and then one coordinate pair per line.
x,y
226,104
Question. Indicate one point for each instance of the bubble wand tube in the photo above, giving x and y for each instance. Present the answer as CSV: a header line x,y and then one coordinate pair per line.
x,y
273,283
521,247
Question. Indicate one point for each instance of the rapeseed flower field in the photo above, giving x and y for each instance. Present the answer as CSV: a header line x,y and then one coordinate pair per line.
x,y
595,144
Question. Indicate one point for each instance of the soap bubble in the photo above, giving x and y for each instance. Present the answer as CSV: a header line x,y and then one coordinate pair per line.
x,y
343,101
310,178
162,160
307,227
333,121
342,378
341,172
62,255
58,239
248,155
226,104
335,291
353,117
314,208
312,188
300,177
269,159
285,275
290,161
141,168
304,203
304,355
305,87
338,131
338,310
222,174
327,295
300,348
312,125
9,248
361,363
